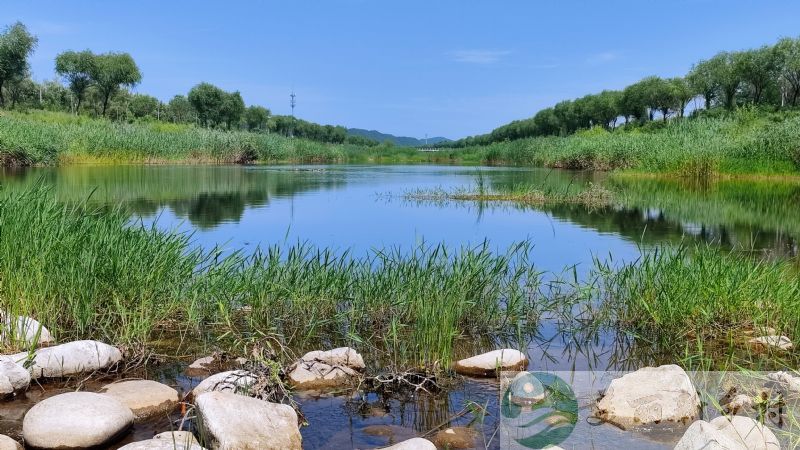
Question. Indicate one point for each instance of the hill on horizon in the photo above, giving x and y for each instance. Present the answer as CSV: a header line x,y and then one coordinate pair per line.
x,y
400,141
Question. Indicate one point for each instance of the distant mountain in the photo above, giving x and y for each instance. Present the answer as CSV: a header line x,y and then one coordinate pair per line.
x,y
400,141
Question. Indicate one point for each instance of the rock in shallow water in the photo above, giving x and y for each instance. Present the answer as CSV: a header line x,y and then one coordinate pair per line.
x,y
145,398
71,358
487,364
6,443
14,379
342,356
170,440
326,369
456,438
75,420
412,444
648,396
236,422
736,433
236,381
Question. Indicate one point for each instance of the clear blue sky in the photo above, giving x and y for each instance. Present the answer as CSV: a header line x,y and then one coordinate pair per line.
x,y
451,68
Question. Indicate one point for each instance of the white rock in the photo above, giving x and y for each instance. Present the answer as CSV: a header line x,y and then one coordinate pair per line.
x,y
14,379
771,341
739,403
487,364
6,443
650,395
71,358
737,433
75,420
145,398
170,440
790,382
412,444
238,381
202,363
342,356
25,331
317,375
236,422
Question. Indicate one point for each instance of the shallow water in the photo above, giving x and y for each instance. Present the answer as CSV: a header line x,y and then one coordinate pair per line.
x,y
360,208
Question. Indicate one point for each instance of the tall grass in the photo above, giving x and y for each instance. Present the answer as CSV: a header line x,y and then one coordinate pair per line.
x,y
703,295
89,273
746,142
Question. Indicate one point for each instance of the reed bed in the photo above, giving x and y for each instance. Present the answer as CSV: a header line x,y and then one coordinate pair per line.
x,y
702,301
90,273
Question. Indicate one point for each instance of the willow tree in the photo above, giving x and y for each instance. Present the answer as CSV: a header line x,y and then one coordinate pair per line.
x,y
76,69
112,71
16,44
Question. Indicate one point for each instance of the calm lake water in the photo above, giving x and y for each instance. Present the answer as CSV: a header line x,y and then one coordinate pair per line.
x,y
362,208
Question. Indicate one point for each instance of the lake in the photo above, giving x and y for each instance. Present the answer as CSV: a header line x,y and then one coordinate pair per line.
x,y
364,208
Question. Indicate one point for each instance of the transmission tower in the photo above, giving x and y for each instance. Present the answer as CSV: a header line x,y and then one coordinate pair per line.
x,y
292,103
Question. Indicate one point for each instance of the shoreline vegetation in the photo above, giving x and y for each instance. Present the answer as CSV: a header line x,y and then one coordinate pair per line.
x,y
89,273
743,144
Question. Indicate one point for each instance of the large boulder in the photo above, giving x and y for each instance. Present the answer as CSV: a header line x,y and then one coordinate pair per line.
x,y
145,398
68,359
237,381
170,440
236,422
6,443
412,444
650,395
76,420
326,369
722,433
14,379
23,330
487,364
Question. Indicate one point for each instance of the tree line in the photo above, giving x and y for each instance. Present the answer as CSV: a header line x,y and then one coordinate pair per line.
x,y
100,85
768,76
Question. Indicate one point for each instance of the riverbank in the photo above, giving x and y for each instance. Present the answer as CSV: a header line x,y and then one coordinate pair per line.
x,y
746,143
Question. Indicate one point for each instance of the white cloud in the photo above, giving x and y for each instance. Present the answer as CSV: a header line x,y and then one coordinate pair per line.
x,y
603,57
478,56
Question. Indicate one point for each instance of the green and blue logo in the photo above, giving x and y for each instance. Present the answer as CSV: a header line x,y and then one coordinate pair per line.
x,y
538,410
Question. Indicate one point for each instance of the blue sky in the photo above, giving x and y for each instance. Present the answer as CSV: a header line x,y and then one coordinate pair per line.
x,y
450,67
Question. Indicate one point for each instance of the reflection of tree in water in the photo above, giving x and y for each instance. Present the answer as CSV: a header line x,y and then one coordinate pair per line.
x,y
204,195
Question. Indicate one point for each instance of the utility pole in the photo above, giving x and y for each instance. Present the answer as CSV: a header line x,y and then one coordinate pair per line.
x,y
292,103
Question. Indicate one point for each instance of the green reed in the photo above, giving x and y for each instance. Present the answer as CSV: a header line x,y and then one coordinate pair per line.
x,y
702,301
91,273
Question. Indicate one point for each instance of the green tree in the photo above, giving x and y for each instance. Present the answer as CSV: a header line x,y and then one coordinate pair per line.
x,y
256,118
112,71
76,68
682,94
232,109
22,91
788,51
179,110
703,80
16,44
727,78
207,100
632,103
758,68
142,105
